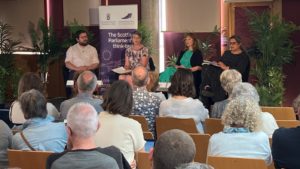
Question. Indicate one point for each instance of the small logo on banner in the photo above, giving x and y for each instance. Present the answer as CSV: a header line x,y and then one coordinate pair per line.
x,y
108,16
128,16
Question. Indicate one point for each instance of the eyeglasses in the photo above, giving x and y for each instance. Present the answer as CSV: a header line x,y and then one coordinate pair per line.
x,y
232,43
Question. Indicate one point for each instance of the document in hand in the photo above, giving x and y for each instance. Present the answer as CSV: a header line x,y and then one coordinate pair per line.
x,y
121,70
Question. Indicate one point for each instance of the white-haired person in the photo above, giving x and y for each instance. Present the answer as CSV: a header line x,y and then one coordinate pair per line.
x,y
82,124
267,121
228,78
240,138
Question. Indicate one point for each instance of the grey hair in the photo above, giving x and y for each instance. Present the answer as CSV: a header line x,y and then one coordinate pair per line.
x,y
172,148
229,78
242,111
296,103
83,120
140,76
194,165
245,89
87,81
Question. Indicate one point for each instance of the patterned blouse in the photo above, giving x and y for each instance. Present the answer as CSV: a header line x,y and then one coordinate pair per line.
x,y
135,56
147,105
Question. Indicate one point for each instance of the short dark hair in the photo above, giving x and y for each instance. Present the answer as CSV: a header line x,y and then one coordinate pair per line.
x,y
30,80
173,148
182,83
77,34
33,104
137,33
236,38
118,98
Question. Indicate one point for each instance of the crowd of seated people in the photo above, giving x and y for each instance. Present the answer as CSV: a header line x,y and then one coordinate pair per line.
x,y
102,132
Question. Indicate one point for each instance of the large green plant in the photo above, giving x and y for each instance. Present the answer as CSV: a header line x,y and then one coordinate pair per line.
x,y
147,37
271,37
45,43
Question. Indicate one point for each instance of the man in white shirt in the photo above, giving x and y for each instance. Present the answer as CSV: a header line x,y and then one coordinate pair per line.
x,y
82,56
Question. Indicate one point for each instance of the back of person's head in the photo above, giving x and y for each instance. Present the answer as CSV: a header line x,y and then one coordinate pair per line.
x,y
82,119
75,78
118,98
29,81
172,148
153,82
182,83
246,90
229,78
194,165
242,111
87,82
139,76
33,104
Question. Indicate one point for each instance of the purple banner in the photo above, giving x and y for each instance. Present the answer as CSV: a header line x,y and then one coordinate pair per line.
x,y
113,43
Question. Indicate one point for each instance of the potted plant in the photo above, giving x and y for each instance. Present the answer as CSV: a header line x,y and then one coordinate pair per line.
x,y
273,50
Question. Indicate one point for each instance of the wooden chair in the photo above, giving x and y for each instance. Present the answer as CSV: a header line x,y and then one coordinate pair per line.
x,y
281,113
27,159
236,163
201,141
288,123
143,160
213,125
142,120
167,123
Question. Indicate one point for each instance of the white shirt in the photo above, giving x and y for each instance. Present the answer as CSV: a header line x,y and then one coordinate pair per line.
x,y
247,145
17,117
267,124
122,132
185,108
82,55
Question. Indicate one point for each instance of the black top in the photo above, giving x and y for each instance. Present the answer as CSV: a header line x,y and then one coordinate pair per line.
x,y
240,62
286,148
196,60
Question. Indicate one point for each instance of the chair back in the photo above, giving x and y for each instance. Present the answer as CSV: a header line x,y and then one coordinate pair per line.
x,y
288,123
56,101
143,160
201,142
213,125
27,159
236,163
280,113
142,120
167,123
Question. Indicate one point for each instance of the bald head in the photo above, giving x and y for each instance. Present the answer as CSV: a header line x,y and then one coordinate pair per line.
x,y
140,76
87,82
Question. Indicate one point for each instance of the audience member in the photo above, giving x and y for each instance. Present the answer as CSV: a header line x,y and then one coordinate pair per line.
x,y
173,148
144,103
194,165
267,122
153,85
29,81
241,139
228,78
296,105
39,132
286,145
116,128
5,143
82,152
182,104
86,84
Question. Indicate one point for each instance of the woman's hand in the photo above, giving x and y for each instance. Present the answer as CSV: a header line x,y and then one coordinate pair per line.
x,y
223,66
179,66
195,68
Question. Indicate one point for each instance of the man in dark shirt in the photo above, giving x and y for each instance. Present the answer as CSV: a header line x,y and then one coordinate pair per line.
x,y
82,151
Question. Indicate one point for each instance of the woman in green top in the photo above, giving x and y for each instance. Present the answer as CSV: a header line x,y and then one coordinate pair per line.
x,y
190,58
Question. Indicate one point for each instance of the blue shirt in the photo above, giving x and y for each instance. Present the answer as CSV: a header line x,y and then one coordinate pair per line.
x,y
42,134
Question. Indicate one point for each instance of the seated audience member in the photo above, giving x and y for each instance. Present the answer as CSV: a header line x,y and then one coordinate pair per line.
x,y
296,105
82,152
86,84
228,78
181,104
144,103
116,128
27,82
39,132
75,87
5,143
241,139
153,85
194,165
267,122
286,145
172,149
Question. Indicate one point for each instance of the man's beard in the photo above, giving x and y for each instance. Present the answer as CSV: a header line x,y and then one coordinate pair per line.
x,y
83,43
